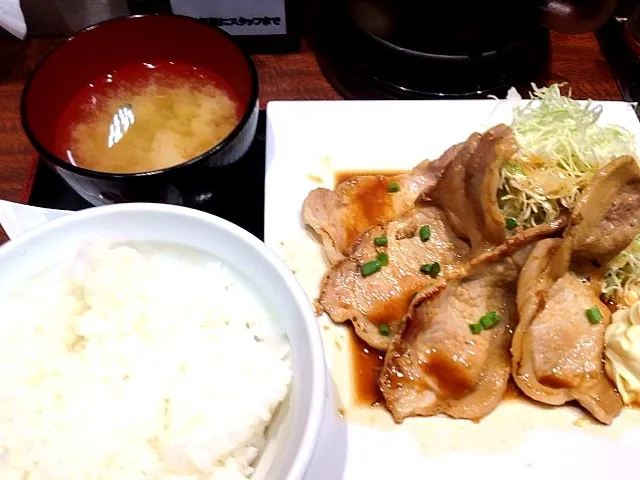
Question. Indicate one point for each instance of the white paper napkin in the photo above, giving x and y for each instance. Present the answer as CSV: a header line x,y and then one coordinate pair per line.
x,y
12,18
17,218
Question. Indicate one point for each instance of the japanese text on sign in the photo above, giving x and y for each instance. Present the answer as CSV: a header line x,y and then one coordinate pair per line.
x,y
241,21
237,17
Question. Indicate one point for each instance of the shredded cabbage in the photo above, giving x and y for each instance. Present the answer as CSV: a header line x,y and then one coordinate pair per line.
x,y
621,281
560,147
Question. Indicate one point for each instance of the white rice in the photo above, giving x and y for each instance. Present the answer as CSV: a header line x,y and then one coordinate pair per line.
x,y
133,365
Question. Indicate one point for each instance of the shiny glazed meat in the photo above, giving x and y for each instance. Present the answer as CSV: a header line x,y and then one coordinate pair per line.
x,y
437,365
346,295
383,298
340,216
557,351
467,191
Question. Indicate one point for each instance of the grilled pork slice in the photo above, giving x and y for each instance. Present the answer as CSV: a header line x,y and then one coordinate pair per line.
x,y
605,219
384,296
557,350
437,364
340,216
468,189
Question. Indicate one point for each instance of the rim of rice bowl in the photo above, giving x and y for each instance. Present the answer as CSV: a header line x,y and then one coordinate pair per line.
x,y
311,414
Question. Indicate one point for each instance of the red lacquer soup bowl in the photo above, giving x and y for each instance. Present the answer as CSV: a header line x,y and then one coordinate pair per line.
x,y
118,50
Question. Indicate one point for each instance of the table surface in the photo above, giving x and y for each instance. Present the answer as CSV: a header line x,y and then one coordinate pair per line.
x,y
576,59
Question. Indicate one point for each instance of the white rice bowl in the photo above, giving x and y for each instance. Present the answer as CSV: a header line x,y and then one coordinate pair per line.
x,y
137,364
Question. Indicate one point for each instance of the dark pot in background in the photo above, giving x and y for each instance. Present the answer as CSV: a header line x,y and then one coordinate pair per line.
x,y
404,49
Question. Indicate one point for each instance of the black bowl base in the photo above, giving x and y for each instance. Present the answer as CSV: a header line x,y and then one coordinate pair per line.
x,y
239,197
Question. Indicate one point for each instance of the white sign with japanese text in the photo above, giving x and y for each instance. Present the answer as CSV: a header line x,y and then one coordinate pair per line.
x,y
237,17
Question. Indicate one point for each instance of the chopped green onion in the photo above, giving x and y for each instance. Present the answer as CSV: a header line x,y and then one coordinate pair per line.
x,y
594,315
370,268
383,258
510,223
393,187
433,269
380,241
486,323
425,233
384,330
489,320
475,328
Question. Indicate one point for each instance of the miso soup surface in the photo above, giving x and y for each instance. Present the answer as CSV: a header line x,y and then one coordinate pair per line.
x,y
146,117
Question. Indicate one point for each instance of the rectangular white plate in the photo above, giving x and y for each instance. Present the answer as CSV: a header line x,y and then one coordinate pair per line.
x,y
306,142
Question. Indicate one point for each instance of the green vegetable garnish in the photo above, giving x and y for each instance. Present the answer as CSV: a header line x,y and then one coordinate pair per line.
x,y
432,269
594,315
489,320
370,268
425,233
510,223
380,241
435,269
475,328
393,187
384,330
383,258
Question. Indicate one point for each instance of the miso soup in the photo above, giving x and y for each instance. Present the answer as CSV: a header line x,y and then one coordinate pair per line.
x,y
146,117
